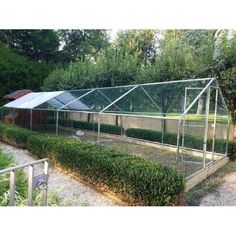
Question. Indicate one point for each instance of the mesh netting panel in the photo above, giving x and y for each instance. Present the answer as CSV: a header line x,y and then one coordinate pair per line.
x,y
159,99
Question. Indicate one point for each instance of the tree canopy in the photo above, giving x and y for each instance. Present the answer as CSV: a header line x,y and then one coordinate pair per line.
x,y
72,59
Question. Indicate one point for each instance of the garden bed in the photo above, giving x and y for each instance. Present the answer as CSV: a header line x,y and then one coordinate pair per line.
x,y
129,146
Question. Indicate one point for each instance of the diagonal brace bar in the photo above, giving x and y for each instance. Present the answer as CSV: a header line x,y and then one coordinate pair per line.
x,y
76,99
118,99
108,99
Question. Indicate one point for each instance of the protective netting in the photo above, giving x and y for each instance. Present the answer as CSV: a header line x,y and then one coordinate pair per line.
x,y
182,124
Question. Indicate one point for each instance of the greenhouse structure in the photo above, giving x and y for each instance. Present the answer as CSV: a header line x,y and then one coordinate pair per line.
x,y
187,119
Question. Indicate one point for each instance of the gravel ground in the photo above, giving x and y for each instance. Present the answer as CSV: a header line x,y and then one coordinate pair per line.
x,y
70,191
225,194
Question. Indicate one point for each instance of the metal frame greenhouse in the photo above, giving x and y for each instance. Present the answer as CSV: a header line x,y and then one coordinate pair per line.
x,y
188,108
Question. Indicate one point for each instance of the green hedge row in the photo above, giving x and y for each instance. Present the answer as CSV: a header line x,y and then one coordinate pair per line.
x,y
145,181
105,128
189,140
15,135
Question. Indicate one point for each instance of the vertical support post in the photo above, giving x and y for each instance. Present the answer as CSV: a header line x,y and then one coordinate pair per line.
x,y
12,187
162,131
93,121
178,137
30,185
183,123
206,127
214,127
121,125
45,190
99,125
57,116
31,114
227,138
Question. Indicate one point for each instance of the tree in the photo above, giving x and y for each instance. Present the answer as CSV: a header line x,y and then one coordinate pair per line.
x,y
39,45
138,42
18,72
82,44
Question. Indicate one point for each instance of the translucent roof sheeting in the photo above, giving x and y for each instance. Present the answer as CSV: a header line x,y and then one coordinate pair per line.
x,y
153,99
32,100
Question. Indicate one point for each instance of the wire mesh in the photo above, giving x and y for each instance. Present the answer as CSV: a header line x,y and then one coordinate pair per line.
x,y
183,124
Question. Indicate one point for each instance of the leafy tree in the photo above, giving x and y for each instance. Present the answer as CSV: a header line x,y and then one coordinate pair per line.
x,y
18,72
39,45
82,44
174,60
138,42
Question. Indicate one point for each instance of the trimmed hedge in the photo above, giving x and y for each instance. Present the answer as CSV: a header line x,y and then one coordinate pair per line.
x,y
190,141
145,181
12,133
111,129
232,150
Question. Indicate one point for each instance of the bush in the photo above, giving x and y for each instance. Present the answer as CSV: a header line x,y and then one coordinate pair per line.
x,y
111,129
232,150
145,181
190,141
12,133
44,146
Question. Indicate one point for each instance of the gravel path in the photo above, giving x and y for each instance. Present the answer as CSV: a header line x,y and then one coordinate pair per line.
x,y
70,191
225,194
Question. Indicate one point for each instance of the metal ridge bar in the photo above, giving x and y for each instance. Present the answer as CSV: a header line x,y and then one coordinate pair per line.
x,y
76,99
195,100
22,166
118,99
155,83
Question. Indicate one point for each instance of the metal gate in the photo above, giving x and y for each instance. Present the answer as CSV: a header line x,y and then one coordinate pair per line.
x,y
39,181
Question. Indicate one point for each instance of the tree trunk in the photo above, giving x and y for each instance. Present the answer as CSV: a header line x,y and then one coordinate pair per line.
x,y
234,131
199,106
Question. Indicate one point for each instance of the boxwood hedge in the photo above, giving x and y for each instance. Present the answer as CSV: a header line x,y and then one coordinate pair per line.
x,y
112,129
190,141
147,182
14,135
143,180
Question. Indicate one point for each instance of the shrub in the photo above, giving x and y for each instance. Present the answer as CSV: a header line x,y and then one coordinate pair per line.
x,y
144,180
44,146
12,133
105,128
190,141
232,150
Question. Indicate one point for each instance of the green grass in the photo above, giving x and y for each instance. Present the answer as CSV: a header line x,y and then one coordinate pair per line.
x,y
193,197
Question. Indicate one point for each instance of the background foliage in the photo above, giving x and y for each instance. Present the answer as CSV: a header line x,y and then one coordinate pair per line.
x,y
72,59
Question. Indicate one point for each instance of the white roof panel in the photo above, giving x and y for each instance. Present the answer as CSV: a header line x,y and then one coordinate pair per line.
x,y
32,100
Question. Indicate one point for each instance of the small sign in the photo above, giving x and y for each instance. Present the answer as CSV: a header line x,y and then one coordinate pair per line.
x,y
40,181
